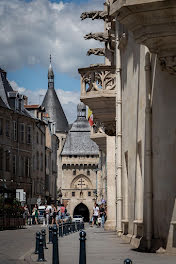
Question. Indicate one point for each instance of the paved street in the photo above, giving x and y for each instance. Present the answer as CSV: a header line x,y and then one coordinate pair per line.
x,y
102,248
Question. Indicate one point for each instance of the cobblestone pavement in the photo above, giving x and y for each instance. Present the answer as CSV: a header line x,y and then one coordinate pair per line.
x,y
102,248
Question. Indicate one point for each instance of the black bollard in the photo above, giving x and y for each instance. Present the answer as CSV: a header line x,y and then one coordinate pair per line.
x,y
64,229
128,261
44,238
50,235
82,253
37,243
41,250
55,259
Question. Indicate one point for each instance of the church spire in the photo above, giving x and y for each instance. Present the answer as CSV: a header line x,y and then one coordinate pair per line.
x,y
50,75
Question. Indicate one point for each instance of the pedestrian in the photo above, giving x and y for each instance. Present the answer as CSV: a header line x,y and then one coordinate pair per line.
x,y
102,215
62,210
35,211
95,214
58,215
54,211
44,216
48,214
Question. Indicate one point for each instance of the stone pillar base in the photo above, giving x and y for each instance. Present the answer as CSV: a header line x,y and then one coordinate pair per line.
x,y
110,225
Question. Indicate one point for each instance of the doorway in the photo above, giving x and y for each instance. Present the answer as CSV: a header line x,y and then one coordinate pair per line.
x,y
82,209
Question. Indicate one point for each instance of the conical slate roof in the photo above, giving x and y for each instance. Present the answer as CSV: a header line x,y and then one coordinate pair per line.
x,y
54,109
78,140
52,105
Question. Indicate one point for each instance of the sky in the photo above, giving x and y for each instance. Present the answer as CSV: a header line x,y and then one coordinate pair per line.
x,y
31,30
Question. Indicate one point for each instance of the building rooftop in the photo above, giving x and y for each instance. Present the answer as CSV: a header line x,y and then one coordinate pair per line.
x,y
53,106
78,140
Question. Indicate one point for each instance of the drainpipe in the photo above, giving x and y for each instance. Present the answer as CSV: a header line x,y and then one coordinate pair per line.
x,y
148,152
118,137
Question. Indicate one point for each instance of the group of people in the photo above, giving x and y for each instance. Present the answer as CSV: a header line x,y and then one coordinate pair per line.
x,y
50,214
99,215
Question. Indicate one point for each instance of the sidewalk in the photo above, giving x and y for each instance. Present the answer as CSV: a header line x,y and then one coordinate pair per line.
x,y
102,248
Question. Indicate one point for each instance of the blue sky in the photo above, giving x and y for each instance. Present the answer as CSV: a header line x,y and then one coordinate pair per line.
x,y
31,30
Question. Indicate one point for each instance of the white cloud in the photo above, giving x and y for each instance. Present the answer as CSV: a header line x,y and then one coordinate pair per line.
x,y
30,31
68,99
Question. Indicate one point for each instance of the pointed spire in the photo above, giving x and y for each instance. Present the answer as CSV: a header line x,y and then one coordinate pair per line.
x,y
50,71
50,75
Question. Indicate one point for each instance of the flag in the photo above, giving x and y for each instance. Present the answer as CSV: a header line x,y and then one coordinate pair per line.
x,y
90,117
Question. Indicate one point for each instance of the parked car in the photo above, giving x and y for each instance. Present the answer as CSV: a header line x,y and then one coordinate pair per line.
x,y
77,218
41,210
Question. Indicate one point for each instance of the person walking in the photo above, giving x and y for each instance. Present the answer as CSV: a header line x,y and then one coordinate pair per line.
x,y
48,214
54,211
62,210
95,214
35,210
102,215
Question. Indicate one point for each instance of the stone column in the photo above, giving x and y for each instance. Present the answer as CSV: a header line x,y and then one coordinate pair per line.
x,y
111,188
118,136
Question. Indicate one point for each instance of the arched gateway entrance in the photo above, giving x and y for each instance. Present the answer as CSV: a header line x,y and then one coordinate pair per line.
x,y
81,209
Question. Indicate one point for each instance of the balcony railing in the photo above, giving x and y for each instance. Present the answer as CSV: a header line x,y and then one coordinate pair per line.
x,y
98,84
97,79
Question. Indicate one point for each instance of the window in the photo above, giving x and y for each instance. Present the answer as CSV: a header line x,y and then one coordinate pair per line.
x,y
14,165
1,126
22,166
89,193
74,172
1,159
14,130
34,162
7,128
88,173
27,167
29,141
73,194
22,133
37,137
37,161
7,160
41,168
41,139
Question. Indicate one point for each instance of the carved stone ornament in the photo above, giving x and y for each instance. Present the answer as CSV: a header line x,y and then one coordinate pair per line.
x,y
123,41
96,51
169,64
102,78
94,15
101,36
98,127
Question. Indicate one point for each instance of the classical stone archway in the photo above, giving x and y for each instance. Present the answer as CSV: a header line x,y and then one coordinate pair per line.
x,y
82,209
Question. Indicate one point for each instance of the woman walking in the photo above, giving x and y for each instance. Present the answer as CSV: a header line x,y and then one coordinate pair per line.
x,y
35,211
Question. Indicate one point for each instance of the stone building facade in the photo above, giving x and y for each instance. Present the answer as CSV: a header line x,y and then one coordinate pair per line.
x,y
26,138
81,179
44,162
137,83
16,140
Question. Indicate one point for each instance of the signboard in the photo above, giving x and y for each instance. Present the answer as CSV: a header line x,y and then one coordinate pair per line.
x,y
21,195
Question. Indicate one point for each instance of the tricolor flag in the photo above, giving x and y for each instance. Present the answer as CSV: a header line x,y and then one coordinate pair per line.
x,y
90,117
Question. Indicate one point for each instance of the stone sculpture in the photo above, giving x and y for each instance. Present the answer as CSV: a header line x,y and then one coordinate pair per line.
x,y
101,36
94,15
96,51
